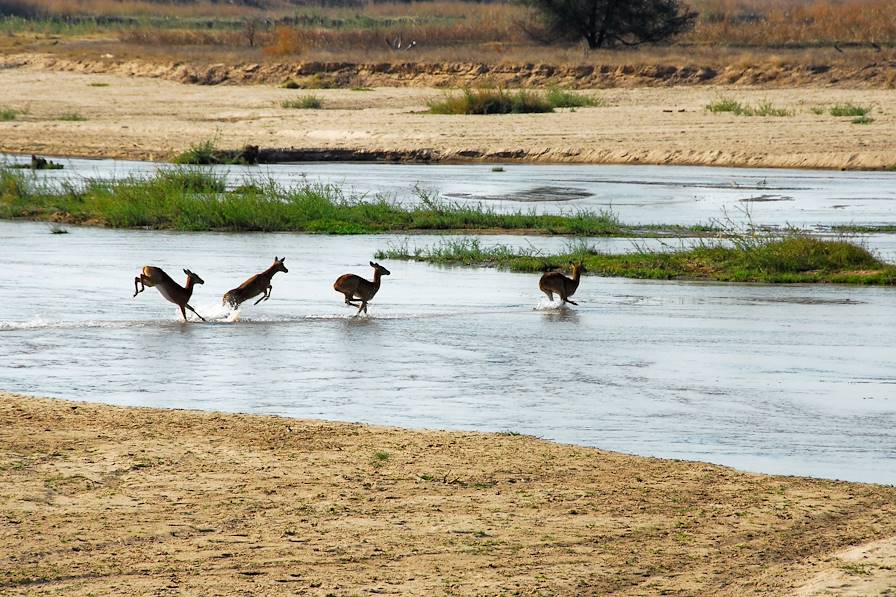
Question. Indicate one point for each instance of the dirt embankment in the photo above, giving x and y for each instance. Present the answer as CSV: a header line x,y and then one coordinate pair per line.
x,y
101,500
877,74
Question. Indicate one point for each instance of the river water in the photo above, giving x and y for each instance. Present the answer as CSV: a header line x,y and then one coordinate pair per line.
x,y
637,194
779,379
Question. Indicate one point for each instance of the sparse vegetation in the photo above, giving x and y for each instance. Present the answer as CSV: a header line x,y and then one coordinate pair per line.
x,y
71,117
98,84
849,110
306,102
788,258
764,108
862,120
8,114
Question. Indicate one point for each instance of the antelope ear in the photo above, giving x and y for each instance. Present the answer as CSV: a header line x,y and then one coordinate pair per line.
x,y
275,258
282,259
372,264
186,271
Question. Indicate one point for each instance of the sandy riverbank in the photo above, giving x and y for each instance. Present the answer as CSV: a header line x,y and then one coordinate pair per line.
x,y
99,500
151,118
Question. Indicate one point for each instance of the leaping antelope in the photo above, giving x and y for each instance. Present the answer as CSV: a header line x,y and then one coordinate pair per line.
x,y
357,288
552,282
257,284
171,290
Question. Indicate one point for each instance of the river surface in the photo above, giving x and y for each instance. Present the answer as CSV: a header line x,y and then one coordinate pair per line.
x,y
780,379
636,194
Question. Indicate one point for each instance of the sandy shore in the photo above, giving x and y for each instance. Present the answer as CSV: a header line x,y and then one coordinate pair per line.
x,y
151,118
102,500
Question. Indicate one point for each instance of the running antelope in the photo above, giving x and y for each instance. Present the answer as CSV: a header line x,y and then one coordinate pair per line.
x,y
357,288
171,290
257,284
552,282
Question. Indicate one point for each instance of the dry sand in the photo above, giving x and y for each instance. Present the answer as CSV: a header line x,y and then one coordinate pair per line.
x,y
153,118
101,500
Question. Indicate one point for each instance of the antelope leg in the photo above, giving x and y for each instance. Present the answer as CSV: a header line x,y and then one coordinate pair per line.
x,y
194,311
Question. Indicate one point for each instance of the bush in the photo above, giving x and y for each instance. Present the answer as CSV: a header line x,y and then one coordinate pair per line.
x,y
306,102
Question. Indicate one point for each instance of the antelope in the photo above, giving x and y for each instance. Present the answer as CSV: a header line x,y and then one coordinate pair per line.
x,y
355,286
552,282
257,284
171,290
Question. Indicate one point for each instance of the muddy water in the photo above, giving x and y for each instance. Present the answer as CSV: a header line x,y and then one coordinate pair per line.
x,y
637,194
793,379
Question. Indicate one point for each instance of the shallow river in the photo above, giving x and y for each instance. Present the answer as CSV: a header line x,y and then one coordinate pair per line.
x,y
780,379
637,194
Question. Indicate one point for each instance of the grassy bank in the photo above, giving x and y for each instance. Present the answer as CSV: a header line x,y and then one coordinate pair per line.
x,y
194,199
791,258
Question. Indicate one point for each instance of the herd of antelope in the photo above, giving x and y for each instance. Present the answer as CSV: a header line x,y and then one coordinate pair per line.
x,y
357,290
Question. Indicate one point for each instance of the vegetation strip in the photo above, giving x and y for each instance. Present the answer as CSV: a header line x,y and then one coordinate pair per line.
x,y
788,258
181,198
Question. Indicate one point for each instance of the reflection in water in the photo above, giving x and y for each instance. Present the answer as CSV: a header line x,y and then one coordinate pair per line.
x,y
782,379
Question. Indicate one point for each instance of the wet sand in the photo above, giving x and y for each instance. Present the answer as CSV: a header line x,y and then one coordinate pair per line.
x,y
101,500
143,117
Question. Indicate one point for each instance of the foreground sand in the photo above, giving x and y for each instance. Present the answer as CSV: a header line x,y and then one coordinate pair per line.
x,y
151,118
99,499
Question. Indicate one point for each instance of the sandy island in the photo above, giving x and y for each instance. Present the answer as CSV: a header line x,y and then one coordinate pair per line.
x,y
144,117
102,500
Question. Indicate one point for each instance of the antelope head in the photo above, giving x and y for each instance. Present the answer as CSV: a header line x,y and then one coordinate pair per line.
x,y
278,265
195,278
379,269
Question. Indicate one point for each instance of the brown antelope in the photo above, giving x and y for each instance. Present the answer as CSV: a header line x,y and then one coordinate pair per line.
x,y
552,282
257,284
357,288
171,290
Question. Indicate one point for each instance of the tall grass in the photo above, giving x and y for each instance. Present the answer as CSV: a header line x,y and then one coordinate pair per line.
x,y
788,258
183,198
490,101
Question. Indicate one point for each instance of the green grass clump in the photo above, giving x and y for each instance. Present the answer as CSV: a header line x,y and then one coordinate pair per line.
x,y
734,107
792,258
490,101
849,110
98,84
199,154
71,117
306,102
724,105
561,98
862,120
7,114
